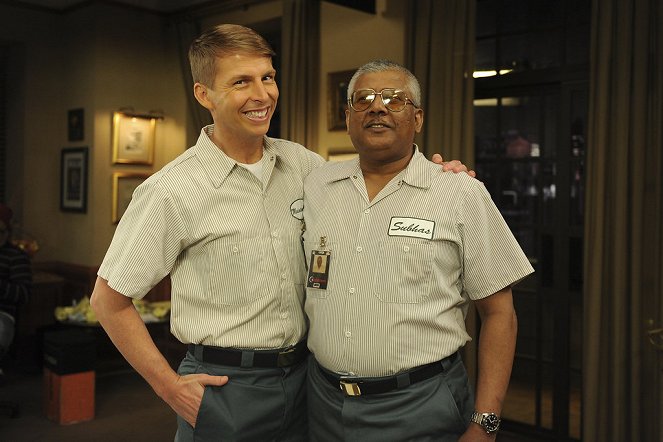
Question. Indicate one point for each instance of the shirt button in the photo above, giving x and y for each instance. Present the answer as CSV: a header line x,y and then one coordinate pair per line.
x,y
284,276
406,249
359,249
367,211
275,234
348,334
284,315
352,290
235,249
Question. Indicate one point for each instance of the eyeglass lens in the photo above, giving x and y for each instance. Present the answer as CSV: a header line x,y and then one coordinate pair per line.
x,y
393,99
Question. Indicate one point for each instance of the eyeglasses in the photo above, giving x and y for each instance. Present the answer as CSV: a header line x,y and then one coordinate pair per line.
x,y
393,99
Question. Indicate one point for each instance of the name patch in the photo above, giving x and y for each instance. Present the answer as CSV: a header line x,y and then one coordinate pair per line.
x,y
414,227
297,209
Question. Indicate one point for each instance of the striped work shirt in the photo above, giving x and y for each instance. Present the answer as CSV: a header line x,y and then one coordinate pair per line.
x,y
230,243
402,266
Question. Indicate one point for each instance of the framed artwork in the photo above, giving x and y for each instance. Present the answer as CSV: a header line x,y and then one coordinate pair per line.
x,y
76,125
73,179
337,98
124,184
133,138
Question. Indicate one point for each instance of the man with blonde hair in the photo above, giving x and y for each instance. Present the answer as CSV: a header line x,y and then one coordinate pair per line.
x,y
223,220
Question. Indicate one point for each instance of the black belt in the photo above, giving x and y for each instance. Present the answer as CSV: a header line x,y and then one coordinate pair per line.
x,y
285,357
360,386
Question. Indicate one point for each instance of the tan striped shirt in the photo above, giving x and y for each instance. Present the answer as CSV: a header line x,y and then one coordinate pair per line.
x,y
230,243
403,266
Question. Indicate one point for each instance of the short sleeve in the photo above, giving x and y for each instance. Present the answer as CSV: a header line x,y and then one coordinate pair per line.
x,y
147,242
492,258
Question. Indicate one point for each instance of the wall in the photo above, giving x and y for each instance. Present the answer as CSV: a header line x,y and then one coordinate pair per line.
x,y
136,65
101,58
246,16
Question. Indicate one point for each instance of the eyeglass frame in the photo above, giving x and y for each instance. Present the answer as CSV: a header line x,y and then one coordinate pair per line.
x,y
407,99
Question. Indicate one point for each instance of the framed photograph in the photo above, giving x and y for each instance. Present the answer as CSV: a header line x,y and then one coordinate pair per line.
x,y
124,184
76,126
337,98
133,138
73,179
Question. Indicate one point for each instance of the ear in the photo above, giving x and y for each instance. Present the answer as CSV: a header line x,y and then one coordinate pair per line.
x,y
200,92
347,120
418,120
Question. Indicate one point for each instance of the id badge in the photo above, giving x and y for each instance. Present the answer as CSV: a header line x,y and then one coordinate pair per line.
x,y
318,269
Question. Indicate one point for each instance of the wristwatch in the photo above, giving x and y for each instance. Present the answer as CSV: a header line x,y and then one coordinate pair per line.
x,y
490,422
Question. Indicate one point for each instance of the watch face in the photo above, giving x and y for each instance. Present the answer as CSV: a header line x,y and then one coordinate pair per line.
x,y
491,422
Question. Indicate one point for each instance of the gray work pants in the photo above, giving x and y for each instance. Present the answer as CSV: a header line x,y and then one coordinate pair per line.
x,y
436,409
257,404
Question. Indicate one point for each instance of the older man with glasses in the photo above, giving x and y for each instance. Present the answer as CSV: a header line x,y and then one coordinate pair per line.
x,y
407,249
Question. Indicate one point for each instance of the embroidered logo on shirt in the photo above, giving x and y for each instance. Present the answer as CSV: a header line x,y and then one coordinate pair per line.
x,y
297,209
414,227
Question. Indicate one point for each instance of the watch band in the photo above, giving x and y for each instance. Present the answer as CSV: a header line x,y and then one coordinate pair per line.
x,y
490,422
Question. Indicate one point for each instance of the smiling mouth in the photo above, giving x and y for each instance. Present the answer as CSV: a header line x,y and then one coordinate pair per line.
x,y
376,125
257,114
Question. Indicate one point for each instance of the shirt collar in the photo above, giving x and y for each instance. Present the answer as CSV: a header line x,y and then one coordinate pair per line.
x,y
215,162
416,174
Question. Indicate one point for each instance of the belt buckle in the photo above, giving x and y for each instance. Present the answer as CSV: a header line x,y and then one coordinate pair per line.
x,y
287,350
287,357
350,388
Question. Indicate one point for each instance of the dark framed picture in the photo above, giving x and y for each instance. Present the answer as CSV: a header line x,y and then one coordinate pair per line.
x,y
73,179
124,184
133,138
337,98
76,120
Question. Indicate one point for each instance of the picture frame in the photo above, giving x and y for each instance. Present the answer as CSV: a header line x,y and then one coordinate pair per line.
x,y
124,184
73,179
337,90
133,138
76,124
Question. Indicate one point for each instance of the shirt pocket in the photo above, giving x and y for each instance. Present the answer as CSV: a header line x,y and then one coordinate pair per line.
x,y
403,272
236,271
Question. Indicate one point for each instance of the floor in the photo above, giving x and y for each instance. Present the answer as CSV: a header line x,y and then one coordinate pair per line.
x,y
126,410
520,406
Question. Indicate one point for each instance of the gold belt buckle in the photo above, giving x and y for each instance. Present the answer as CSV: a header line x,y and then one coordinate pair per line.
x,y
350,388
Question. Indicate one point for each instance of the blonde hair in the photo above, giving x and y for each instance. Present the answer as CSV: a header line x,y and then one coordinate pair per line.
x,y
223,40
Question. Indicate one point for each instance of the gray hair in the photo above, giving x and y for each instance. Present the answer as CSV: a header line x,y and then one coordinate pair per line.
x,y
411,83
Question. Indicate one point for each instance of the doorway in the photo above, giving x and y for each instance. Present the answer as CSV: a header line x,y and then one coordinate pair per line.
x,y
531,102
